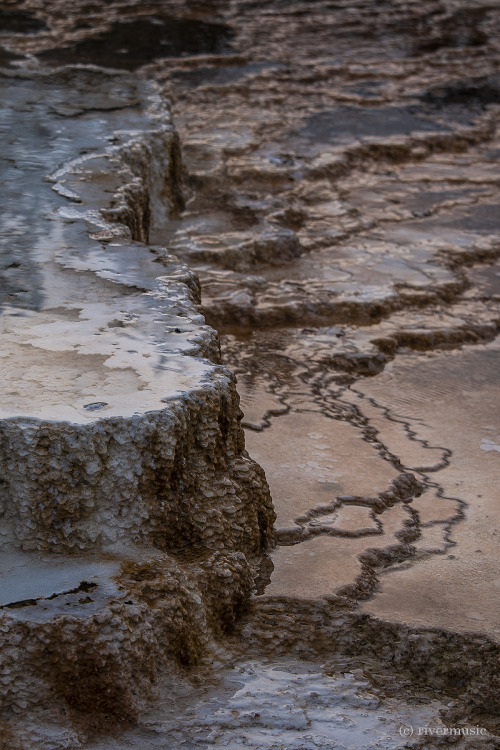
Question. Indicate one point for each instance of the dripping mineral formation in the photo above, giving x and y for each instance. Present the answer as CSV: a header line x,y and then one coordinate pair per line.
x,y
319,183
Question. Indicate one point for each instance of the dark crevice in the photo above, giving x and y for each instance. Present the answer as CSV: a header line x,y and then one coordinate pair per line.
x,y
85,586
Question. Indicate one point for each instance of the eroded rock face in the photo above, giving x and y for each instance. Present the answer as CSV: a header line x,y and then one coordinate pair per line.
x,y
132,517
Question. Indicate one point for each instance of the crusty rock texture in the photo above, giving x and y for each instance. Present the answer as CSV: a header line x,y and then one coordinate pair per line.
x,y
131,532
169,478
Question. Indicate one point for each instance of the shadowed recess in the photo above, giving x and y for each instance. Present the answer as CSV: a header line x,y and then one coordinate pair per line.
x,y
6,56
20,22
479,91
348,123
132,43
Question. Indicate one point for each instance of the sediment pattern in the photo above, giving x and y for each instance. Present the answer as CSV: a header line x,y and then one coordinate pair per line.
x,y
337,197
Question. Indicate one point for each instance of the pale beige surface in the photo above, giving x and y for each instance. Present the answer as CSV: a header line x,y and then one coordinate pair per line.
x,y
310,459
455,399
321,566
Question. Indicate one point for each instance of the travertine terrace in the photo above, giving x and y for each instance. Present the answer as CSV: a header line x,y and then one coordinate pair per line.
x,y
304,195
126,491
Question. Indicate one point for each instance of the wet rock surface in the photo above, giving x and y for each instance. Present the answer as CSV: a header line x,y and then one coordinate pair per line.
x,y
338,201
132,518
